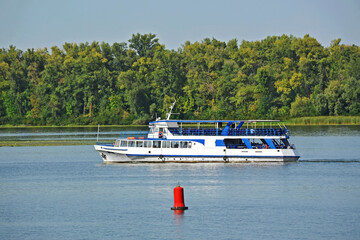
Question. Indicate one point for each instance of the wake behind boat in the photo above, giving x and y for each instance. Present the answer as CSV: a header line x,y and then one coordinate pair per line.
x,y
209,141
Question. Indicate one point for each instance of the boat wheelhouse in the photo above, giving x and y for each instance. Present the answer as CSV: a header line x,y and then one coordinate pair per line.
x,y
204,141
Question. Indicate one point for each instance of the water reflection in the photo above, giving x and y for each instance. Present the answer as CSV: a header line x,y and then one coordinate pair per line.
x,y
179,212
178,222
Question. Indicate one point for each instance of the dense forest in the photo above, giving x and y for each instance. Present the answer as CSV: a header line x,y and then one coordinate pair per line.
x,y
279,77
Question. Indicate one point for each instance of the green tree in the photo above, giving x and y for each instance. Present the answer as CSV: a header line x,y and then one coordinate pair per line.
x,y
144,45
80,83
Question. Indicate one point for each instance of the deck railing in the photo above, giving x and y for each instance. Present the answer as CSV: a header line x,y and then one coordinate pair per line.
x,y
230,132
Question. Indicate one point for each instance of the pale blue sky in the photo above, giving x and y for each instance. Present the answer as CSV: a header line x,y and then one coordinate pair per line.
x,y
45,23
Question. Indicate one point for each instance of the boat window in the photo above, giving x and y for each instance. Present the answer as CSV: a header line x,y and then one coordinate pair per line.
x,y
147,144
123,143
277,143
285,143
162,130
183,144
151,130
156,144
166,144
139,143
189,145
131,144
235,143
117,143
257,143
175,144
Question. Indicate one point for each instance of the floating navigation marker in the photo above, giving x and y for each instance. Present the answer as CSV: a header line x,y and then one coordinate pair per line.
x,y
179,204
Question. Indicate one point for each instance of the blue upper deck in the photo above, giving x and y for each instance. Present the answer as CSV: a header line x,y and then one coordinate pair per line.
x,y
232,128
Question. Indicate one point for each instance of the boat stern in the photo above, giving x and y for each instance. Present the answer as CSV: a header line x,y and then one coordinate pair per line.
x,y
290,155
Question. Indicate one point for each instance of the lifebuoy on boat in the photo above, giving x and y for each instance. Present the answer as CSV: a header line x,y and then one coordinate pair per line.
x,y
160,134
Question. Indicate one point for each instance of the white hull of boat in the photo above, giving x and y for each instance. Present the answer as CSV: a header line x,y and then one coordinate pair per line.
x,y
160,155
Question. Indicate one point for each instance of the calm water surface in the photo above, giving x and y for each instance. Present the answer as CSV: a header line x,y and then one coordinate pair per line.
x,y
65,192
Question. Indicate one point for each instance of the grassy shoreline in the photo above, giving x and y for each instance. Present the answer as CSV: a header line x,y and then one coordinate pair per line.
x,y
67,126
302,121
324,121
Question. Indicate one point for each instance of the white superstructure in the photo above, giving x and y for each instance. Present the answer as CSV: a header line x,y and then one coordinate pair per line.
x,y
204,141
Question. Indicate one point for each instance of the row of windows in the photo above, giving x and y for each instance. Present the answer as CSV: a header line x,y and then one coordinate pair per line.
x,y
152,144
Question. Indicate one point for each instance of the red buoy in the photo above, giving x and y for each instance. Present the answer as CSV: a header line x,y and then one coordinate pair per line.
x,y
179,203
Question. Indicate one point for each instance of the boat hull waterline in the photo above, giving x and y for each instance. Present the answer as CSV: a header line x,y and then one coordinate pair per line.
x,y
123,158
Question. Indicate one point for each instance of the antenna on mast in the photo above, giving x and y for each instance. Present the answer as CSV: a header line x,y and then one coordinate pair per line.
x,y
169,113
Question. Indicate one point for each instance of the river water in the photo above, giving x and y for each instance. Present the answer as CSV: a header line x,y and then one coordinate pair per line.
x,y
65,192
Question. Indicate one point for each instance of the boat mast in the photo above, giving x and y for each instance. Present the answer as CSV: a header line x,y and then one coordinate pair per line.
x,y
169,113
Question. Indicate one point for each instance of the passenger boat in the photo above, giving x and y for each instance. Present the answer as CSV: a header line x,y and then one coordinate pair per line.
x,y
188,141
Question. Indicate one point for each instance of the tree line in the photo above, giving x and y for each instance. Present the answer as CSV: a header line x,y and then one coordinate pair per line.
x,y
279,77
